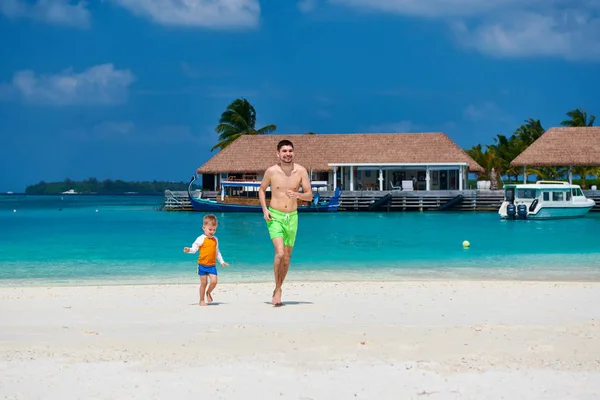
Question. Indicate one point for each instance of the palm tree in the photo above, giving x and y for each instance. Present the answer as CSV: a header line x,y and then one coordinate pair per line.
x,y
486,158
507,149
550,173
530,131
578,118
238,119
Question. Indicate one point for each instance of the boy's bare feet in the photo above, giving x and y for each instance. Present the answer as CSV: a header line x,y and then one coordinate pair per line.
x,y
209,297
203,303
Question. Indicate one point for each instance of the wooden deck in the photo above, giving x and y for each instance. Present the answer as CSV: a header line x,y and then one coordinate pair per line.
x,y
474,200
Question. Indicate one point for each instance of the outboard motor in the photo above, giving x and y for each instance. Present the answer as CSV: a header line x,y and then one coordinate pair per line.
x,y
511,210
522,211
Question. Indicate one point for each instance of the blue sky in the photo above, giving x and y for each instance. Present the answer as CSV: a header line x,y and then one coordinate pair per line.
x,y
133,89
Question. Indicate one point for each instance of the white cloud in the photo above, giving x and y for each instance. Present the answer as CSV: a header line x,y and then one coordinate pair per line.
x,y
197,13
392,127
204,71
324,99
98,85
430,8
110,130
406,126
486,111
113,129
232,94
58,12
128,132
570,34
323,113
568,29
307,5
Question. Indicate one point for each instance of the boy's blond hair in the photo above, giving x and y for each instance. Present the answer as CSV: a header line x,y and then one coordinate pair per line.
x,y
210,219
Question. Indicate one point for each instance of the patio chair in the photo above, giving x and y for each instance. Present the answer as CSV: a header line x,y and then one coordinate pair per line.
x,y
394,187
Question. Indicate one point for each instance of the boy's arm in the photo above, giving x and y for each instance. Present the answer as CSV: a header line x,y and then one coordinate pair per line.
x,y
195,246
219,256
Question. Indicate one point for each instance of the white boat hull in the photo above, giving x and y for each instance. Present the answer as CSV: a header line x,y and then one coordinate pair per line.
x,y
549,212
560,212
544,201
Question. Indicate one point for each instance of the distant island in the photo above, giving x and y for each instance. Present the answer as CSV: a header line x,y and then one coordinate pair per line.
x,y
107,186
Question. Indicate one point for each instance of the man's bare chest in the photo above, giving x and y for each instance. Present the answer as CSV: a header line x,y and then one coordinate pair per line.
x,y
284,182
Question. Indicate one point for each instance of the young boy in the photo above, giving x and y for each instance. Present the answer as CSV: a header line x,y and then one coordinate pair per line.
x,y
208,244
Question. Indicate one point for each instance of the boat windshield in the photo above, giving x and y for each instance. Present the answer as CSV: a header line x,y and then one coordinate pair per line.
x,y
576,192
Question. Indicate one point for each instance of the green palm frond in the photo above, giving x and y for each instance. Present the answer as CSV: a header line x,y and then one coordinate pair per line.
x,y
578,117
266,130
238,119
549,173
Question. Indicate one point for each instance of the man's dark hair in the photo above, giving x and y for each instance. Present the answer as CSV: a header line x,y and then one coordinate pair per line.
x,y
284,142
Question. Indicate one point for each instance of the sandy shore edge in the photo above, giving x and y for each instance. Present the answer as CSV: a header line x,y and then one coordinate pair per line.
x,y
402,339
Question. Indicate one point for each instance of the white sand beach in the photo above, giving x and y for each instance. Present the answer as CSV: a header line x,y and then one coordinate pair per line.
x,y
394,340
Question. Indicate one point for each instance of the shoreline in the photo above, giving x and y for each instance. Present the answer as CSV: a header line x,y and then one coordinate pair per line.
x,y
591,275
446,339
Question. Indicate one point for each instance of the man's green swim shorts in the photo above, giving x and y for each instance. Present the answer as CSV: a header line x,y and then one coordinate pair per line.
x,y
283,225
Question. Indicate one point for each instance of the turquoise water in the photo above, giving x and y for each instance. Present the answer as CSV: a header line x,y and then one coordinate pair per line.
x,y
127,241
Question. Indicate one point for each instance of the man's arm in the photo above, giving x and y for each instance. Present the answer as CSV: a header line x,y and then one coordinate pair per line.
x,y
306,194
262,190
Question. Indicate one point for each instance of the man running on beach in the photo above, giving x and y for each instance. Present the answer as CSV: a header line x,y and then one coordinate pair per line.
x,y
285,179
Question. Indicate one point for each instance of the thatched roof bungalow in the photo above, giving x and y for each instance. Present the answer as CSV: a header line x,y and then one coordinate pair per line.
x,y
574,147
563,147
430,160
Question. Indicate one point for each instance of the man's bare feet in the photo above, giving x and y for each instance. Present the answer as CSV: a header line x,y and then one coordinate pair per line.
x,y
203,303
276,301
209,297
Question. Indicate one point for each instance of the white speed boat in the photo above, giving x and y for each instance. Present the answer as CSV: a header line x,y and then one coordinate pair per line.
x,y
544,200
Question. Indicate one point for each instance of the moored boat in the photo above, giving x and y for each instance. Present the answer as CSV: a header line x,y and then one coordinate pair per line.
x,y
544,200
242,196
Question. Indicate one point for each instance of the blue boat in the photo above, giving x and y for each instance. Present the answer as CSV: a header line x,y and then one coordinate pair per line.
x,y
251,204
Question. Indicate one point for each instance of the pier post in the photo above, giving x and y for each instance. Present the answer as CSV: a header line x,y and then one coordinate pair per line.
x,y
334,178
570,175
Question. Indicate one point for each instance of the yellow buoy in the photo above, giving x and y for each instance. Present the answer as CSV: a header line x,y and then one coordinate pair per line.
x,y
466,243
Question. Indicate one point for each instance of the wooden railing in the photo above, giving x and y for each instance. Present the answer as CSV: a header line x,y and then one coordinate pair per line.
x,y
474,200
244,178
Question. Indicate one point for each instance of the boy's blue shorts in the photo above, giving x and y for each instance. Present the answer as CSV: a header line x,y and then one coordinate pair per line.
x,y
207,270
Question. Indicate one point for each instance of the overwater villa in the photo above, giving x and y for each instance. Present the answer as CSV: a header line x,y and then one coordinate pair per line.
x,y
562,147
395,161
